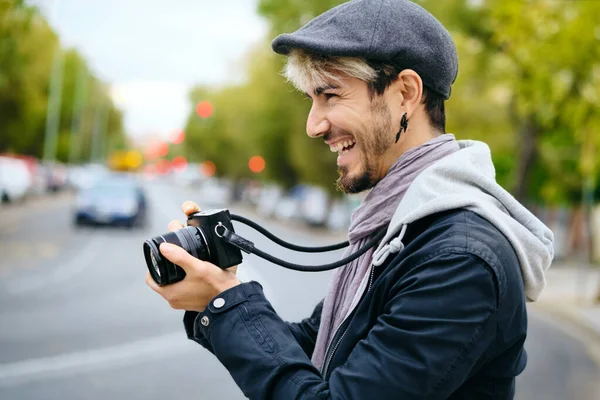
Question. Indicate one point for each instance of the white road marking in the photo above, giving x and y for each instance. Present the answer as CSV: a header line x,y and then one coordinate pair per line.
x,y
79,262
90,360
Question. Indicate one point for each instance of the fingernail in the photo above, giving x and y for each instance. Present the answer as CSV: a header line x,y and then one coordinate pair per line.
x,y
166,248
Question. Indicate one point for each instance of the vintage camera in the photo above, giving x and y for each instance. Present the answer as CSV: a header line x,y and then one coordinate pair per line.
x,y
201,238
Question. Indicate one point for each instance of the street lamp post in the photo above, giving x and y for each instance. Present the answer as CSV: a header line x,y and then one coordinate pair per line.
x,y
78,108
54,103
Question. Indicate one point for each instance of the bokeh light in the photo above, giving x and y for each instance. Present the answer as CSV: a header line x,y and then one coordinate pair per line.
x,y
204,109
179,164
256,164
177,136
163,166
209,168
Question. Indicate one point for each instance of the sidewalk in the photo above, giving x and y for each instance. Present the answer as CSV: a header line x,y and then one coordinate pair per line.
x,y
570,294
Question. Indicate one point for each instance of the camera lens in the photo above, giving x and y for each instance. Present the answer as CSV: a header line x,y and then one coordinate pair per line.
x,y
155,264
163,271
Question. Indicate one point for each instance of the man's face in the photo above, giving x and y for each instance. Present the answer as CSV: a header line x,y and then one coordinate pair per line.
x,y
357,126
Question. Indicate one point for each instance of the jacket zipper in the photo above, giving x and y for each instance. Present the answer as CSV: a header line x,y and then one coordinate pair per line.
x,y
371,278
337,343
332,353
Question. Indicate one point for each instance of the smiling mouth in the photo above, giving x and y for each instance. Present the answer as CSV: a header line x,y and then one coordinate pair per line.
x,y
345,150
343,147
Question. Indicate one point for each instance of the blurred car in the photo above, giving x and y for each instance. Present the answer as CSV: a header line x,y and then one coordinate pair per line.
x,y
84,176
37,179
191,176
15,179
56,176
314,205
112,201
216,192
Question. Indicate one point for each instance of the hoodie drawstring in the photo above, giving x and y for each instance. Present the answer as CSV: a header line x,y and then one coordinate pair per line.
x,y
394,246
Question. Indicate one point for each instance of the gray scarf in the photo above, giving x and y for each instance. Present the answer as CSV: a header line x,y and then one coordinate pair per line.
x,y
374,212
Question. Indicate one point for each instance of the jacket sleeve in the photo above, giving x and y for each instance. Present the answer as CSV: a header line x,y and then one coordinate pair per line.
x,y
438,320
306,331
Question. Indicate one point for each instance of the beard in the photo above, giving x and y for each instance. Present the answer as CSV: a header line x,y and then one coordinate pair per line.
x,y
375,140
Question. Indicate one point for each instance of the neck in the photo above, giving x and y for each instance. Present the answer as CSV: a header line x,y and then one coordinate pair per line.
x,y
410,139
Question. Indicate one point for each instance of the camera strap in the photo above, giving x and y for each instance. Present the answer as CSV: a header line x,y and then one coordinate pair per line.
x,y
248,247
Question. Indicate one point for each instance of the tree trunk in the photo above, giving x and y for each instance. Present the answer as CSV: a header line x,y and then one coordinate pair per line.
x,y
528,135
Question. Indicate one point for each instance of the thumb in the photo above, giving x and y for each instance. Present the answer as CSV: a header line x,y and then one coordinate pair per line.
x,y
177,255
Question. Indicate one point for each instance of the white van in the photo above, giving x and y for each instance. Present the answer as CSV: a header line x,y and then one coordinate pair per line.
x,y
15,179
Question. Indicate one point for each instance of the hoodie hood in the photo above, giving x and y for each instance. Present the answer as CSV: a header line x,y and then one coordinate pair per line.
x,y
467,179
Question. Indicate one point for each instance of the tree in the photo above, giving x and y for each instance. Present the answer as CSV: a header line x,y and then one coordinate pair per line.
x,y
527,85
541,57
28,48
26,51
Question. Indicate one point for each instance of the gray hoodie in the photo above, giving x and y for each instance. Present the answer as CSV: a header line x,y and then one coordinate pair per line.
x,y
467,179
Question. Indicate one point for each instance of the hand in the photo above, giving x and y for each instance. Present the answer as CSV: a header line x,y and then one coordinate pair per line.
x,y
203,280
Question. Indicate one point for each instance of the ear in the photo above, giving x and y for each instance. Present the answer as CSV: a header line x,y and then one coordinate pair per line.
x,y
410,87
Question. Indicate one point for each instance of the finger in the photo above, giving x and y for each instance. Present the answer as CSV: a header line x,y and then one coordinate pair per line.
x,y
178,256
175,225
189,207
150,282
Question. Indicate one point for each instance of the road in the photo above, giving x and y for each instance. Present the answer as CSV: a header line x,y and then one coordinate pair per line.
x,y
78,321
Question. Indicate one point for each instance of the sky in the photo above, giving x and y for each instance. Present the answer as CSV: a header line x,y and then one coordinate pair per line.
x,y
152,52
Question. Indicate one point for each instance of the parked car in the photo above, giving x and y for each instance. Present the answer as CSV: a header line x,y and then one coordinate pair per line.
x,y
314,205
56,175
38,183
216,192
15,179
113,200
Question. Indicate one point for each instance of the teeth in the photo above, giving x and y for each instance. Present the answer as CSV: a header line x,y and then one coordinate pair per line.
x,y
338,147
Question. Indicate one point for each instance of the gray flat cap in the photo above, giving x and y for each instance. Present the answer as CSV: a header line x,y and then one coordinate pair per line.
x,y
398,32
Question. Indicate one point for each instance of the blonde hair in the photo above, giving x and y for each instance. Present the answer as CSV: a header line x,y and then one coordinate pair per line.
x,y
308,71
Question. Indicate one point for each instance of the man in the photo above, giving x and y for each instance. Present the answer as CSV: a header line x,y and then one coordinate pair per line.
x,y
437,310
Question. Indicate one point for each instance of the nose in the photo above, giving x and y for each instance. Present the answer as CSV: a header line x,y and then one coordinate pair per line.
x,y
317,123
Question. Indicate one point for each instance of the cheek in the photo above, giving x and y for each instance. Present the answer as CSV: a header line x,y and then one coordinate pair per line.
x,y
347,118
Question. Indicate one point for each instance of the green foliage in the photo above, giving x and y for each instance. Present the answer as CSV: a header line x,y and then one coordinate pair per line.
x,y
528,85
262,116
534,68
28,47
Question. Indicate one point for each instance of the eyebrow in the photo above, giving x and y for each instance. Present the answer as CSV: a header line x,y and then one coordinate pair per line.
x,y
319,90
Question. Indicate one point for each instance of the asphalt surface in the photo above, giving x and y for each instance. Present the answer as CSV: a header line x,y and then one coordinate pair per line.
x,y
77,320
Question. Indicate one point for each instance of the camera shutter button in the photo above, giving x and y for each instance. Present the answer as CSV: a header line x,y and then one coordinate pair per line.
x,y
204,321
218,303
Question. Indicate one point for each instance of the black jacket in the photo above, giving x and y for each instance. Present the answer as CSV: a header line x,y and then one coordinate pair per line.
x,y
444,319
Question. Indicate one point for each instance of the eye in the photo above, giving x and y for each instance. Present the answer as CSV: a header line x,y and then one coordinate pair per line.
x,y
329,95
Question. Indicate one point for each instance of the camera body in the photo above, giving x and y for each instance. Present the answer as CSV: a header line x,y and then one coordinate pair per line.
x,y
202,238
221,253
